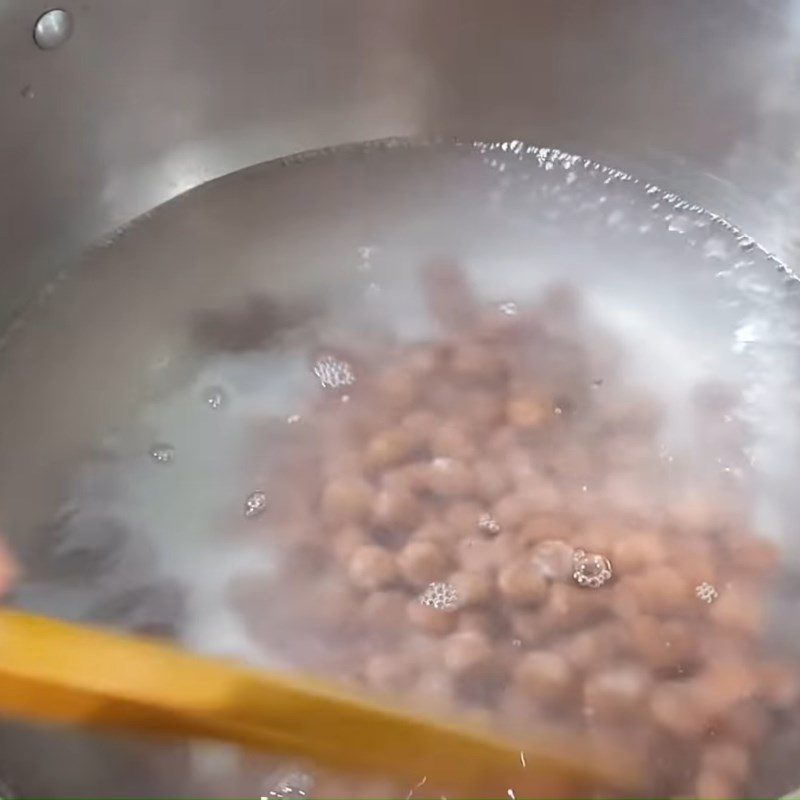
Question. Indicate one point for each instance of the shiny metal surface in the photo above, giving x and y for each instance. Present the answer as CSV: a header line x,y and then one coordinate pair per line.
x,y
151,98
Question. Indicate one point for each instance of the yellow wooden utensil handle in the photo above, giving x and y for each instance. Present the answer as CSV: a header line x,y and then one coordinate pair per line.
x,y
57,671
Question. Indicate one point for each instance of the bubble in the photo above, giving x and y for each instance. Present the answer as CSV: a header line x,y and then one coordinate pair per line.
x,y
488,524
509,308
706,592
255,504
441,596
162,453
590,570
293,419
746,244
333,373
215,397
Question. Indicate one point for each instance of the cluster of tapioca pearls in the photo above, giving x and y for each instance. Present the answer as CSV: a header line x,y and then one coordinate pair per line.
x,y
463,464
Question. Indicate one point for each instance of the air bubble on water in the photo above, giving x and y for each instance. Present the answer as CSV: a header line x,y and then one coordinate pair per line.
x,y
746,243
162,453
255,504
590,570
293,419
706,592
441,596
488,524
215,397
509,308
333,373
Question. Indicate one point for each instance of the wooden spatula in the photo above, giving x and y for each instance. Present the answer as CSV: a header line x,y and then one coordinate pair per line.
x,y
60,672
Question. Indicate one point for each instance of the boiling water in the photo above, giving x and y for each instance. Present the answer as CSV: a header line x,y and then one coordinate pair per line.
x,y
132,395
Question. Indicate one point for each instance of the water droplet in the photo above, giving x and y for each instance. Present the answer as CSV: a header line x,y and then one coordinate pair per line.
x,y
590,570
215,397
162,453
255,504
706,592
293,419
516,642
333,373
27,92
597,383
441,596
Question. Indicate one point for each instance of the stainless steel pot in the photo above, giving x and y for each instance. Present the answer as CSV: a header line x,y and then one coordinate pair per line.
x,y
146,99
115,106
